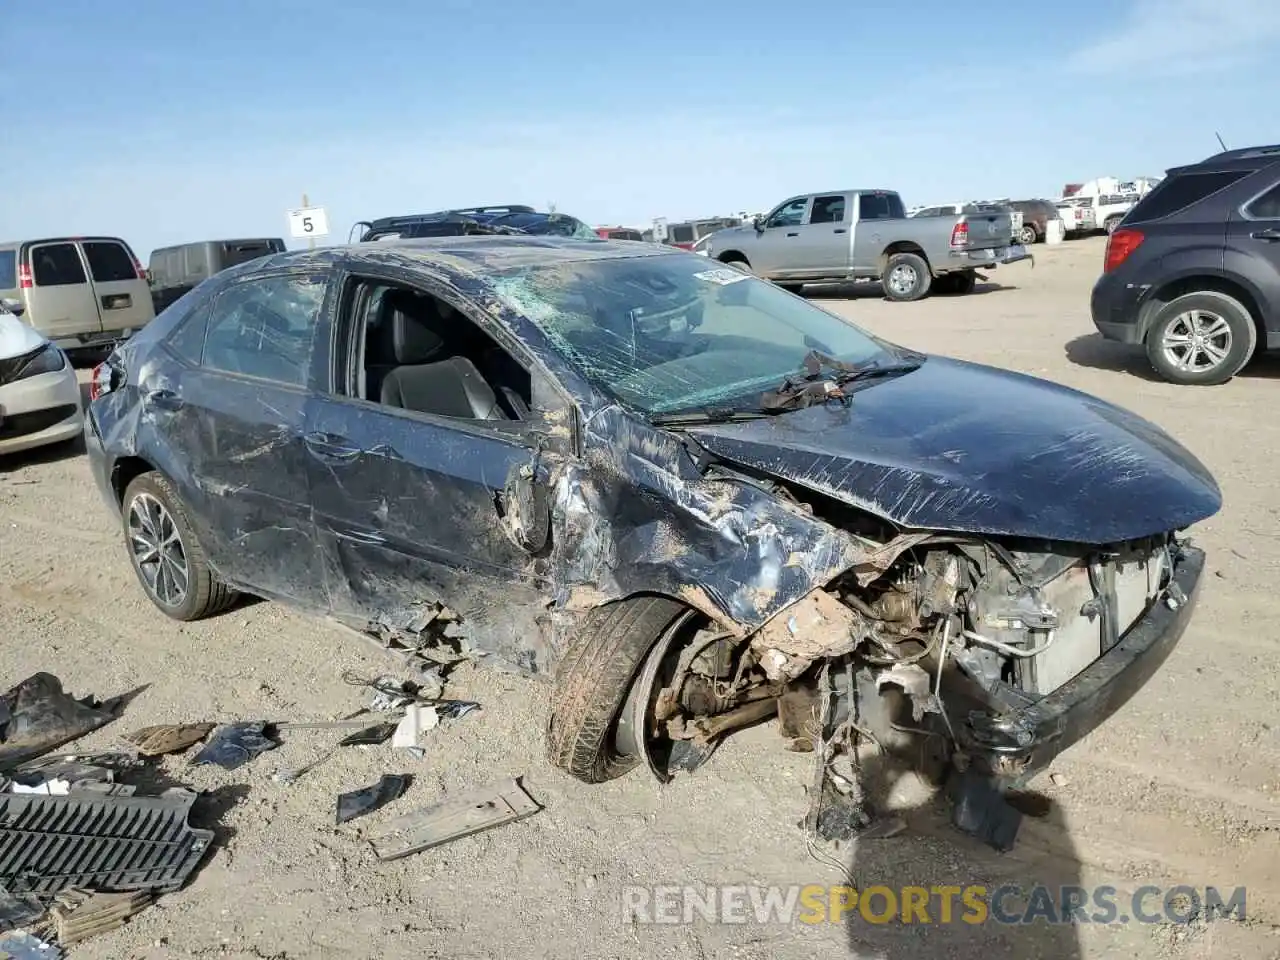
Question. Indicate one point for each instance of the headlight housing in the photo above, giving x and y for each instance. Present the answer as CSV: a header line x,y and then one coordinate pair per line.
x,y
45,359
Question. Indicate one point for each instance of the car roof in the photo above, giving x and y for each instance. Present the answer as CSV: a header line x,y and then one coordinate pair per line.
x,y
475,256
1249,158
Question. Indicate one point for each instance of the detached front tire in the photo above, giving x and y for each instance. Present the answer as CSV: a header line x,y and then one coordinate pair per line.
x,y
1201,339
593,681
906,277
169,562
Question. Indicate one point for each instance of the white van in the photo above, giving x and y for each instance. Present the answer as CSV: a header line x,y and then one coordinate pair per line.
x,y
80,292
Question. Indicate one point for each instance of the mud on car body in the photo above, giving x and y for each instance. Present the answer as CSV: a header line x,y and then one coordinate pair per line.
x,y
687,497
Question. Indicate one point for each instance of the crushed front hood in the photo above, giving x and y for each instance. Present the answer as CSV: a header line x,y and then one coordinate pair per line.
x,y
955,446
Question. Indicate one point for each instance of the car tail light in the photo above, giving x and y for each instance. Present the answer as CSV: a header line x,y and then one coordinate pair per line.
x,y
24,277
1120,244
960,235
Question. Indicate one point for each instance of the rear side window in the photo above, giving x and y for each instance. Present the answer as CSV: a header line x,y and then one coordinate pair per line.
x,y
56,265
1265,207
109,261
827,210
188,340
880,206
682,235
1179,192
237,253
8,269
264,328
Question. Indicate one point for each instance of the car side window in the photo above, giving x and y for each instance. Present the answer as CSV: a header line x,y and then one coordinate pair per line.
x,y
187,341
56,265
790,214
827,210
1265,207
264,328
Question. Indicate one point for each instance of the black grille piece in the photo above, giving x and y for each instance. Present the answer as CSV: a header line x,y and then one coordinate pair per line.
x,y
104,839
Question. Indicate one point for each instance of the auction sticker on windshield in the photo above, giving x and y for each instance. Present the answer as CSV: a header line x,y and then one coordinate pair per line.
x,y
722,276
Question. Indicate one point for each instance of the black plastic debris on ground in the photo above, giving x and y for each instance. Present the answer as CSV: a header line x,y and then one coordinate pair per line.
x,y
37,716
357,803
370,736
91,838
455,709
236,744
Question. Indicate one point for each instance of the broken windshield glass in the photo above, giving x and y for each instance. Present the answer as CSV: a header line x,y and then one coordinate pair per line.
x,y
674,332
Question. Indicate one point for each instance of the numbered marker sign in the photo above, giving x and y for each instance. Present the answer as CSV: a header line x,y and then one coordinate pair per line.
x,y
307,222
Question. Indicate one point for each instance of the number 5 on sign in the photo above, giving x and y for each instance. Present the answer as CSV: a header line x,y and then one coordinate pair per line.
x,y
307,222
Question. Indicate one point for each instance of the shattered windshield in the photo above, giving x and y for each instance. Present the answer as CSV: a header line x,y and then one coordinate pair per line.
x,y
674,332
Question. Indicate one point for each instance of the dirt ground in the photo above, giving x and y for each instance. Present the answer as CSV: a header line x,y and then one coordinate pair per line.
x,y
1181,787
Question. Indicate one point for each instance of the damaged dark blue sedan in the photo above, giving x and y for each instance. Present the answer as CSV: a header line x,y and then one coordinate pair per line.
x,y
690,499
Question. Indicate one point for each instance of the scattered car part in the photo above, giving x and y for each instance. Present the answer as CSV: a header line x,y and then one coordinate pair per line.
x,y
21,945
236,744
18,909
455,709
36,716
165,738
369,736
357,803
289,776
80,914
454,817
417,720
111,841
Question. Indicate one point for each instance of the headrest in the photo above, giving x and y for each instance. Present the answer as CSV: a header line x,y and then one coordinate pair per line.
x,y
413,318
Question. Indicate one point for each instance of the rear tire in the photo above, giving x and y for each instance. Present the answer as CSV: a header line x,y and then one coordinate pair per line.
x,y
906,277
592,683
1201,339
740,264
175,575
1027,235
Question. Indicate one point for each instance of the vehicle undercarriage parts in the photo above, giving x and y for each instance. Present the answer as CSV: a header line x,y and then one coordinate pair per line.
x,y
36,716
236,744
89,838
980,809
454,817
356,803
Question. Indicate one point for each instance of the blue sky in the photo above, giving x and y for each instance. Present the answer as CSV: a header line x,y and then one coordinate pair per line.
x,y
165,122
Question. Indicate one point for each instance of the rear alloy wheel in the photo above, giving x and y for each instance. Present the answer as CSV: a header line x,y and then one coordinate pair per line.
x,y
1027,235
740,264
906,277
169,562
1201,339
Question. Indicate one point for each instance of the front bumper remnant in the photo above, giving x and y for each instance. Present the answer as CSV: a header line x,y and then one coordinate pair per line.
x,y
1007,750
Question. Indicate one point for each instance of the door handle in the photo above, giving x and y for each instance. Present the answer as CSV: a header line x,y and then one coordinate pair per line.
x,y
793,234
164,400
329,446
1271,233
839,230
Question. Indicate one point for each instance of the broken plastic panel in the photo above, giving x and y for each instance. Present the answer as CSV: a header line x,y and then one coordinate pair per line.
x,y
36,716
108,841
236,744
451,818
357,803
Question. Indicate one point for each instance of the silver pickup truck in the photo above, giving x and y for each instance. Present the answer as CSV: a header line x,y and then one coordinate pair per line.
x,y
866,234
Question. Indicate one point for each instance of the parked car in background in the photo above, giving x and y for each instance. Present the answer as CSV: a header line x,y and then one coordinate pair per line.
x,y
863,234
976,206
82,293
1193,271
441,444
39,393
1036,217
1078,216
473,221
619,233
1102,203
172,271
686,234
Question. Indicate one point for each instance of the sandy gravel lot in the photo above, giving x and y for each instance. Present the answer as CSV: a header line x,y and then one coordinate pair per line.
x,y
1181,787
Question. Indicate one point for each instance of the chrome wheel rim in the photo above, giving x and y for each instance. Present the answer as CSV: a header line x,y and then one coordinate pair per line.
x,y
903,278
1196,341
1027,235
158,553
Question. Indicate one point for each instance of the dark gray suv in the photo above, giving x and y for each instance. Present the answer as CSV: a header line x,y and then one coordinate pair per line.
x,y
1193,271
